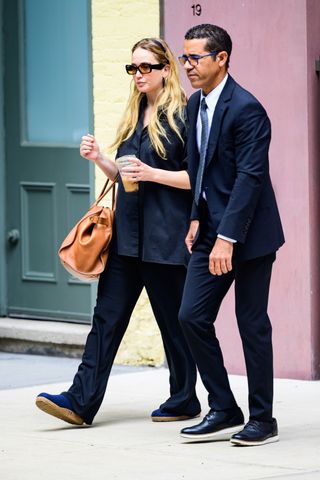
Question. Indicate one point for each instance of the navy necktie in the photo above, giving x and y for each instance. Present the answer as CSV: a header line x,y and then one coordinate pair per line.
x,y
203,148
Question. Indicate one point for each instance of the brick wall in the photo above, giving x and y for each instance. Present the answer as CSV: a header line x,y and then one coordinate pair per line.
x,y
116,26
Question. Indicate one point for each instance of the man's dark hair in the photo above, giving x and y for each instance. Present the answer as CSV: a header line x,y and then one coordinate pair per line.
x,y
217,38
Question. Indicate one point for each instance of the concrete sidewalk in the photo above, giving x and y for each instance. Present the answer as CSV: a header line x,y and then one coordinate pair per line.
x,y
124,444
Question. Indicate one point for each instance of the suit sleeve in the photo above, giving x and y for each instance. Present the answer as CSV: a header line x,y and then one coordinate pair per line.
x,y
194,212
252,134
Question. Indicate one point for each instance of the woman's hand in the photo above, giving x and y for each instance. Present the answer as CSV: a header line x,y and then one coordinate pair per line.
x,y
89,148
138,171
191,235
141,172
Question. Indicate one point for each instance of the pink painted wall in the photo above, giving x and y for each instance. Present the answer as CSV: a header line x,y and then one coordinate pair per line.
x,y
313,85
275,47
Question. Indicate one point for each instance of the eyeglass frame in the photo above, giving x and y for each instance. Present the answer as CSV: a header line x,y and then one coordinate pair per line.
x,y
195,57
152,66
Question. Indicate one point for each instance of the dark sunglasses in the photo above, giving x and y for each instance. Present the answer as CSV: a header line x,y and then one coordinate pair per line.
x,y
143,68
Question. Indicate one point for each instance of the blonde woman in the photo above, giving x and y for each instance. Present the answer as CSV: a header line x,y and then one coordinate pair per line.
x,y
148,247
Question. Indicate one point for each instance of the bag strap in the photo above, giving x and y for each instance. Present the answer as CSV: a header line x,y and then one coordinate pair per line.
x,y
106,189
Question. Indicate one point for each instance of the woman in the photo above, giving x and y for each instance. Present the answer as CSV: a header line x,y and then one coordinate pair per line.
x,y
147,248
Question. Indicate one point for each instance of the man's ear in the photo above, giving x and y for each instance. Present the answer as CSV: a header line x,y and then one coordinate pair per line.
x,y
222,58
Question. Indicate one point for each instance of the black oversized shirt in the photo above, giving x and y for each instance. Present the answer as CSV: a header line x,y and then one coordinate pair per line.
x,y
151,224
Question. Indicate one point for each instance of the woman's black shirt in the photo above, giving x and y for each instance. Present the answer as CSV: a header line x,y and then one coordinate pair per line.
x,y
151,224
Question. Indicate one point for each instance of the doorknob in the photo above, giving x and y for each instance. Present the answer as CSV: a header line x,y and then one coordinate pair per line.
x,y
13,236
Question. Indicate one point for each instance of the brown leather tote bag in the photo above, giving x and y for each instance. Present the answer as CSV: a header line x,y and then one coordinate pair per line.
x,y
84,251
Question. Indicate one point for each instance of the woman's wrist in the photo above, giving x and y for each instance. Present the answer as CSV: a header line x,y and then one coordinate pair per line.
x,y
155,175
100,160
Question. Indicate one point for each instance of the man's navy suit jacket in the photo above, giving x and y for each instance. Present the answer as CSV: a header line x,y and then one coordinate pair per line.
x,y
236,181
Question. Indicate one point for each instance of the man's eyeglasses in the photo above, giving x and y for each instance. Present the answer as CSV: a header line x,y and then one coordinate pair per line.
x,y
194,59
143,68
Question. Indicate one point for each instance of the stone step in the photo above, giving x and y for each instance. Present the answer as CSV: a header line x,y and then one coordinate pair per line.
x,y
42,337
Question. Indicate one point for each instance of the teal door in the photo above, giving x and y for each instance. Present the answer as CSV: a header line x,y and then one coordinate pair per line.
x,y
47,89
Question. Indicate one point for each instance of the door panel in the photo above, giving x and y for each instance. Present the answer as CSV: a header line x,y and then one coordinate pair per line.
x,y
55,70
48,109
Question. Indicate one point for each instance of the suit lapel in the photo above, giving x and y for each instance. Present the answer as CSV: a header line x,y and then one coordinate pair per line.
x,y
221,107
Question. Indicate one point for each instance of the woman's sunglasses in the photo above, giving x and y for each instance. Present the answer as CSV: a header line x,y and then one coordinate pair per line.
x,y
143,68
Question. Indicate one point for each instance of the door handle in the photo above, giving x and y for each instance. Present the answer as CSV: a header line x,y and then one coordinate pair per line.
x,y
13,236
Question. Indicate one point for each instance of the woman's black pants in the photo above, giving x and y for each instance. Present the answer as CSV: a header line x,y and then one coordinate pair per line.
x,y
118,291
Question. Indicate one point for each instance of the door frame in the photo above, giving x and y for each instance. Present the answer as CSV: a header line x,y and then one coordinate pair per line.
x,y
3,286
92,167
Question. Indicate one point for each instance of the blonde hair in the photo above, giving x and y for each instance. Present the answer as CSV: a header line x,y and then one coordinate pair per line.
x,y
170,101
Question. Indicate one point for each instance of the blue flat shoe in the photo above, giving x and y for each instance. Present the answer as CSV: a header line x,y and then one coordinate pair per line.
x,y
165,416
59,406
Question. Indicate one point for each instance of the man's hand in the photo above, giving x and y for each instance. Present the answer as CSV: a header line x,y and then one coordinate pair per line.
x,y
194,225
220,258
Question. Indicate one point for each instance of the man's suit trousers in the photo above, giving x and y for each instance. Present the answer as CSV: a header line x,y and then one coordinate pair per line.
x,y
201,301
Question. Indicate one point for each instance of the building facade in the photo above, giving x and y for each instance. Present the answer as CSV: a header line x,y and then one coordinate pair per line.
x,y
62,75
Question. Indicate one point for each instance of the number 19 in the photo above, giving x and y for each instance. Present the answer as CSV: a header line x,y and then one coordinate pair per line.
x,y
196,9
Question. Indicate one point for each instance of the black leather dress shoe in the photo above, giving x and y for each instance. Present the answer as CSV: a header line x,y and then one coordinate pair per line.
x,y
215,426
257,433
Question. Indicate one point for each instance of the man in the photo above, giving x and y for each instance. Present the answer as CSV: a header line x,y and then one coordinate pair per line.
x,y
234,234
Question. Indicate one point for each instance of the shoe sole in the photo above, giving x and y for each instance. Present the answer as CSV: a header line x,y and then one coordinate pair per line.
x,y
59,412
247,443
177,418
224,434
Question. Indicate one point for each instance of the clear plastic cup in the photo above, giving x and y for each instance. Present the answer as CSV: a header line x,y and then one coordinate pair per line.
x,y
128,185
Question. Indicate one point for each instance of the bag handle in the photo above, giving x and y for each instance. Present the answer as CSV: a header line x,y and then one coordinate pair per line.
x,y
107,189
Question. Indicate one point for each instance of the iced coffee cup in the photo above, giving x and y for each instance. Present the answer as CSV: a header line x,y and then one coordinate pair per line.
x,y
128,185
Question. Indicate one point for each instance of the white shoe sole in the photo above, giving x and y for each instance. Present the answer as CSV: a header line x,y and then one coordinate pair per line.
x,y
62,413
245,443
220,435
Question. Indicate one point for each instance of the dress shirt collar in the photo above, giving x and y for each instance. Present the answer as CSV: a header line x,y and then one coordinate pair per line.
x,y
213,96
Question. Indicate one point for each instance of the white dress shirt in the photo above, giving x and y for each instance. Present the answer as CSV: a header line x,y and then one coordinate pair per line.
x,y
211,101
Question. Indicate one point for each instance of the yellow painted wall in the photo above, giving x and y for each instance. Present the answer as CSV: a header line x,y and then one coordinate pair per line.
x,y
116,26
